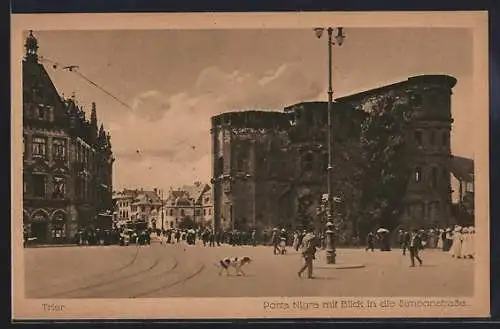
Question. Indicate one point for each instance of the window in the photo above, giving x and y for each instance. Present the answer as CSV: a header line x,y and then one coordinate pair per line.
x,y
41,112
204,212
209,212
171,212
418,174
307,162
219,168
418,137
142,209
59,149
434,176
39,147
444,138
182,212
39,185
59,188
432,138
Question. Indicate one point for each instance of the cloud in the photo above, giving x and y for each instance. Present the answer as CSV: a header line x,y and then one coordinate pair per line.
x,y
151,105
173,131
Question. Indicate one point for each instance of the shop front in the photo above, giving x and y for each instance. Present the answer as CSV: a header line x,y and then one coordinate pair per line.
x,y
37,226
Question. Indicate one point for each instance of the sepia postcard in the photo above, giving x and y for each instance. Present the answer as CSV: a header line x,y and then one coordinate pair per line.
x,y
237,165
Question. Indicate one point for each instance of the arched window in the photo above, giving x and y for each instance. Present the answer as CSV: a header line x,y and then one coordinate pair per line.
x,y
418,174
219,167
434,176
418,137
307,162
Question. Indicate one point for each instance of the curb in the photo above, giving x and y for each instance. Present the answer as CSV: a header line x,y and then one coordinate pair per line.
x,y
339,266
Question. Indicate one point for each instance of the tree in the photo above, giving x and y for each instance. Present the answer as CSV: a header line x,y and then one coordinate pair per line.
x,y
382,175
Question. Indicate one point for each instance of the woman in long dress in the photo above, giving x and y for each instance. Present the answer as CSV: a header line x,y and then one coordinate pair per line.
x,y
440,239
456,246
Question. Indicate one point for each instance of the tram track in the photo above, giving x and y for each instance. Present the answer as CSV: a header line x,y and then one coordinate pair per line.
x,y
64,294
122,287
40,291
169,285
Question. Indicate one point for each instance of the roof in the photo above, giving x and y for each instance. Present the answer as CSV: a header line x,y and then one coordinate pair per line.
x,y
196,190
147,197
463,168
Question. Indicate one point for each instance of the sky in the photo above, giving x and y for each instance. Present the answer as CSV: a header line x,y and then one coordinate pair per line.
x,y
173,81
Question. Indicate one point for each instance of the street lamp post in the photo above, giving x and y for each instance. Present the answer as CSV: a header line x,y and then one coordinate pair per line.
x,y
330,233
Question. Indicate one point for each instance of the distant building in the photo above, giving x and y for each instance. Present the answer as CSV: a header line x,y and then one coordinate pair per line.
x,y
270,168
146,206
123,201
192,202
67,159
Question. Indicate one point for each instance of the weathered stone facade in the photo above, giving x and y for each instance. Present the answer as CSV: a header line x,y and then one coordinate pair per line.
x,y
270,168
67,160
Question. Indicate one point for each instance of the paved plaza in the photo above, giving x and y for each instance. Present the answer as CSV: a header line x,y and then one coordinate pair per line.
x,y
189,271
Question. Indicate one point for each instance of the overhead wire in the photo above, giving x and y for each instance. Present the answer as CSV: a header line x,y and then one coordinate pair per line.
x,y
75,69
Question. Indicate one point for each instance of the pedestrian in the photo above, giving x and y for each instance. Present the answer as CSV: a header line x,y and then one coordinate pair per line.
x,y
254,238
370,242
275,239
212,238
308,250
406,242
414,247
218,238
456,245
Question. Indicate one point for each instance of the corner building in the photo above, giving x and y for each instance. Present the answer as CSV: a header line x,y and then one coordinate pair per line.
x,y
67,159
270,168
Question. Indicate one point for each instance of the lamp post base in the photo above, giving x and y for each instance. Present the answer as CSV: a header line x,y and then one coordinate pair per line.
x,y
331,256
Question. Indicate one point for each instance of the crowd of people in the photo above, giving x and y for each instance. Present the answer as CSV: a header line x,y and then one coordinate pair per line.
x,y
457,240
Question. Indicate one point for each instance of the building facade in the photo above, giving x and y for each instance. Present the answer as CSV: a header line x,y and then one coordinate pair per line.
x,y
122,201
146,206
193,202
270,168
67,159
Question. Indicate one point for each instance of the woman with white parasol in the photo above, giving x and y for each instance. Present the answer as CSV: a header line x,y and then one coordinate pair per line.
x,y
384,239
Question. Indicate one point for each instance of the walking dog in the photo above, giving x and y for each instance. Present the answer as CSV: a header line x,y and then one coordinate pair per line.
x,y
236,263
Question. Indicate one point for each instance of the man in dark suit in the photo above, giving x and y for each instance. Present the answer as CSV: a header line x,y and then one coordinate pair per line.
x,y
406,241
414,246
